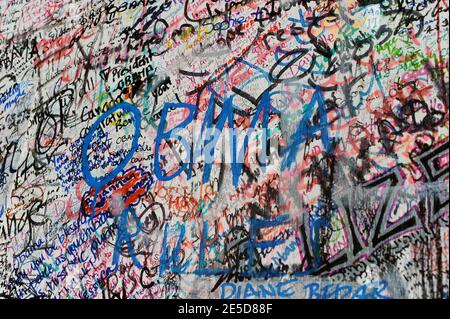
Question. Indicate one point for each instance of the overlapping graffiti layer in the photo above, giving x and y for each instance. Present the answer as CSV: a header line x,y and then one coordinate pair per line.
x,y
224,149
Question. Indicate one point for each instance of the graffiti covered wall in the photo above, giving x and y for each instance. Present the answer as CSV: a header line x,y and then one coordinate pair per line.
x,y
224,149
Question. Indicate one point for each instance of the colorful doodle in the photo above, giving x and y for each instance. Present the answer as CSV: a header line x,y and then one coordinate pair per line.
x,y
231,149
